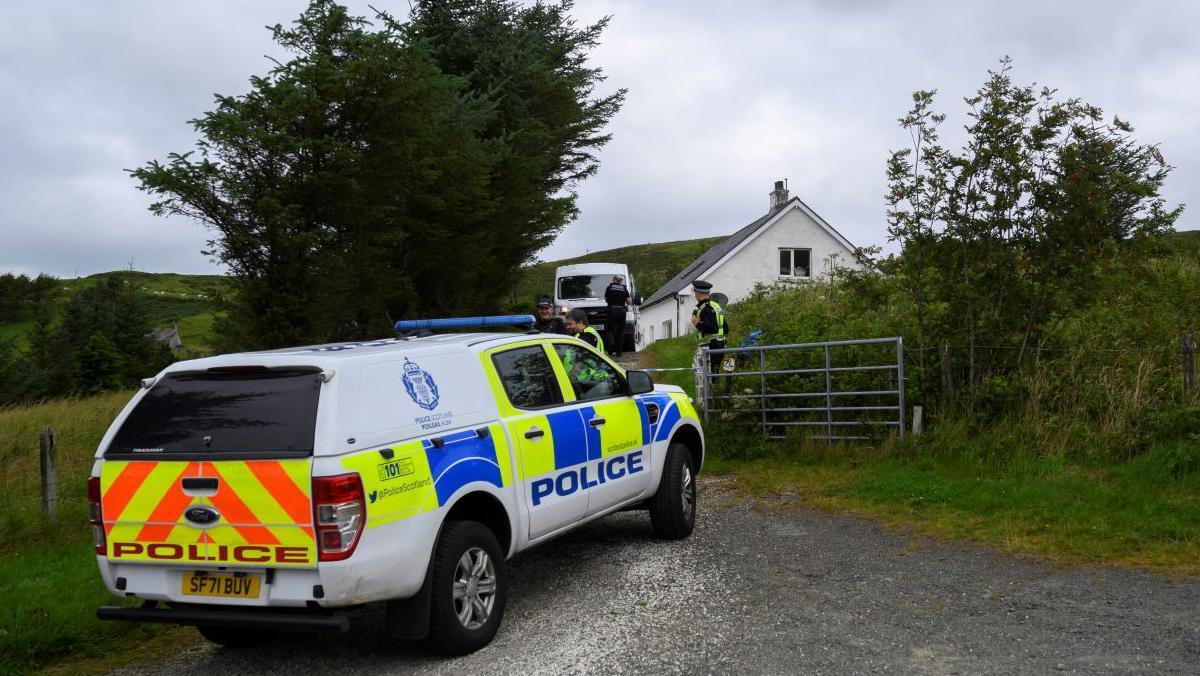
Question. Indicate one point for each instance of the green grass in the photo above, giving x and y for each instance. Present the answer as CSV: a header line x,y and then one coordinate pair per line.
x,y
1138,513
51,592
48,576
672,353
16,332
196,332
651,265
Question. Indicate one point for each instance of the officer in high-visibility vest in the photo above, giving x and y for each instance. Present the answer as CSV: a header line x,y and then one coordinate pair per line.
x,y
577,324
584,370
709,320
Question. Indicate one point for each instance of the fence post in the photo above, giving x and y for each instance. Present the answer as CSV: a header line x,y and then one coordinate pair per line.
x,y
1189,365
900,381
49,477
918,420
947,381
828,400
762,387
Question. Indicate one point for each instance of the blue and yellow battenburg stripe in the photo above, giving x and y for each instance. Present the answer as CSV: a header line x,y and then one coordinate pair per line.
x,y
421,476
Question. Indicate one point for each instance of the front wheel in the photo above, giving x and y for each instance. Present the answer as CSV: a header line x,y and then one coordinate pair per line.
x,y
470,585
673,507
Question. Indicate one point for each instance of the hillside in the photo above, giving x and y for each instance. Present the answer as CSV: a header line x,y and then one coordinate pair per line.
x,y
650,264
189,300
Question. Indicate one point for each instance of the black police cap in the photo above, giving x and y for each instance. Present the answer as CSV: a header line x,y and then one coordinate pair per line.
x,y
701,285
545,301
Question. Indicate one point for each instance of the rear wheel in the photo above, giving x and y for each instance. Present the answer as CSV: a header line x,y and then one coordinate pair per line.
x,y
673,507
237,637
470,586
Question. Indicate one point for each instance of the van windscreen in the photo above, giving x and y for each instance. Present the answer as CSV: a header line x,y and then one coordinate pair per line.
x,y
256,414
576,287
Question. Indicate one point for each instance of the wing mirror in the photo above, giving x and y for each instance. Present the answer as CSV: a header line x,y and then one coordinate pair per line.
x,y
639,382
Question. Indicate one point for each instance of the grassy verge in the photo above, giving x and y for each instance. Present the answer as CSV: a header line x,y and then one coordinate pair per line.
x,y
1143,512
51,591
672,353
48,576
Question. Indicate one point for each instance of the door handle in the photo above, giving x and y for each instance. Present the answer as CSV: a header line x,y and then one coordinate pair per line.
x,y
596,422
534,433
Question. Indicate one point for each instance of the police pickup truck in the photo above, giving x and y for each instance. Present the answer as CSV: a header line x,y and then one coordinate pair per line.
x,y
250,493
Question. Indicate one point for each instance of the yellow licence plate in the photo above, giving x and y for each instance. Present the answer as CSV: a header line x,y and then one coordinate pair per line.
x,y
236,585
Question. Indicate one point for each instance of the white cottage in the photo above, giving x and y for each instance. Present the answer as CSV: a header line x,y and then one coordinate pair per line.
x,y
790,244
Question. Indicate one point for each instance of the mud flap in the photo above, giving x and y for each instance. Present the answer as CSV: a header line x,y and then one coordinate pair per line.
x,y
409,618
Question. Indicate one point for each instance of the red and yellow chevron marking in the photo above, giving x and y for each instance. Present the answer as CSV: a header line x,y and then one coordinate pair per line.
x,y
265,507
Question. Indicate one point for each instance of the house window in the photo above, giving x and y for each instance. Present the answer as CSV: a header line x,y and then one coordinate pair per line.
x,y
666,329
795,263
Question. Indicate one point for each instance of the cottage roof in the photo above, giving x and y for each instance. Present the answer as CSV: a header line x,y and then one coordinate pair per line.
x,y
725,247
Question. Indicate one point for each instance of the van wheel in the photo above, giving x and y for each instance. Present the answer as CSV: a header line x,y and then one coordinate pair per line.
x,y
470,585
673,507
237,637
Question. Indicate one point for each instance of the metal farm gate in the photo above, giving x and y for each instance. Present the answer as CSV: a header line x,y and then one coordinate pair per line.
x,y
836,390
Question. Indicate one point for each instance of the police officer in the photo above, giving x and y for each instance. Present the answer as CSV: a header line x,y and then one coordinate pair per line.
x,y
577,325
548,320
709,320
617,297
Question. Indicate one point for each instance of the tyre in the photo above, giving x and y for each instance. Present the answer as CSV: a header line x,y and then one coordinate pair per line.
x,y
673,507
237,637
469,588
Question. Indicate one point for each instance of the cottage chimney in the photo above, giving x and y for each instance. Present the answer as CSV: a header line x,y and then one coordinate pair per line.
x,y
779,196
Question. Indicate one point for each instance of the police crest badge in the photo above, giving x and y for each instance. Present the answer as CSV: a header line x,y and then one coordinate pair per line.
x,y
420,386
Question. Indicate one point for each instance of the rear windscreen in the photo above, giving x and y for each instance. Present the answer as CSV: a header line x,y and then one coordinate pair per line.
x,y
268,413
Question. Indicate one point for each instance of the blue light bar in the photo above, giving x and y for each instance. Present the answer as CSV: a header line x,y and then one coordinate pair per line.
x,y
464,322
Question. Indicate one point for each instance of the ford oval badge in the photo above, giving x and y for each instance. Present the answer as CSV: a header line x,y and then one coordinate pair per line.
x,y
202,515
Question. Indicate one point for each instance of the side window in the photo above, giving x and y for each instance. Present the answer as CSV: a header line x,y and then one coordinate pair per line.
x,y
591,377
794,262
527,377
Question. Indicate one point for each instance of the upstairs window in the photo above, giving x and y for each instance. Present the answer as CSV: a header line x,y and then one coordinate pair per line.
x,y
795,262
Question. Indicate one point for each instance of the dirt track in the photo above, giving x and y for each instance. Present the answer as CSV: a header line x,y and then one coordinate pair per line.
x,y
782,591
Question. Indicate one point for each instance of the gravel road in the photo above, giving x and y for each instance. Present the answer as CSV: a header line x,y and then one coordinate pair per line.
x,y
778,591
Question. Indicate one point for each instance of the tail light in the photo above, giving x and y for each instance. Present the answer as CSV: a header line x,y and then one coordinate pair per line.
x,y
341,510
95,516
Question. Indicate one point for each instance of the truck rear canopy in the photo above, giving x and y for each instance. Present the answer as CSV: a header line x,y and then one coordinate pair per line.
x,y
223,414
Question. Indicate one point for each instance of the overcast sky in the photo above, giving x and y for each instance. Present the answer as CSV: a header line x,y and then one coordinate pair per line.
x,y
724,98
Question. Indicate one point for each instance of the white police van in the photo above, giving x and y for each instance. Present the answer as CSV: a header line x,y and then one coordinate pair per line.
x,y
249,493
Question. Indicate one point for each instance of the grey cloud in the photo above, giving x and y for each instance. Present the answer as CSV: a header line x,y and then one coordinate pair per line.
x,y
724,98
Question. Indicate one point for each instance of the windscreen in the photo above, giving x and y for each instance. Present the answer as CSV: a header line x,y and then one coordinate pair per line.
x,y
267,413
583,286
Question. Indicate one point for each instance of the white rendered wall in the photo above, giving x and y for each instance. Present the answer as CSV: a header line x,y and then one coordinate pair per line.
x,y
756,262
